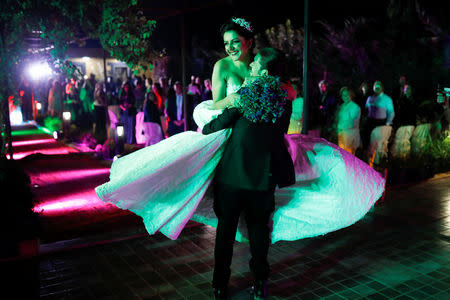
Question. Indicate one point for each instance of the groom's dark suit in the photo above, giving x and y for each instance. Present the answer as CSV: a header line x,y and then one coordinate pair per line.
x,y
255,160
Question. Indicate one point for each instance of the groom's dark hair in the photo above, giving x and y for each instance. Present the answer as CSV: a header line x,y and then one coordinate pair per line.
x,y
274,61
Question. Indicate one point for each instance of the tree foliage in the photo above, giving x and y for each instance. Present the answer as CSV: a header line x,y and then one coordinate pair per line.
x,y
406,41
119,25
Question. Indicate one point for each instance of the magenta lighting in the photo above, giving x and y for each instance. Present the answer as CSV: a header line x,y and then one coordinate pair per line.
x,y
82,201
52,151
32,142
70,175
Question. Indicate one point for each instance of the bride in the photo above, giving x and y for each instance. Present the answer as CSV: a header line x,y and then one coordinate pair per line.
x,y
168,183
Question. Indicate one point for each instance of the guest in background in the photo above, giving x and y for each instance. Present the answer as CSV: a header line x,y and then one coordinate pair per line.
x,y
380,111
378,127
363,93
55,99
324,109
207,91
152,120
295,123
139,95
128,113
406,110
26,100
347,121
100,113
174,110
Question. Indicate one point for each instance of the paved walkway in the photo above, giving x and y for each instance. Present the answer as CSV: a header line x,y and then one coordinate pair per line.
x,y
400,250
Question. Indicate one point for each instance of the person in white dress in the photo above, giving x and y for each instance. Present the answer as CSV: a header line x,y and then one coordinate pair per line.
x,y
347,121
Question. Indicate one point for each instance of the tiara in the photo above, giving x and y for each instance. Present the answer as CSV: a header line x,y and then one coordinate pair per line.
x,y
241,22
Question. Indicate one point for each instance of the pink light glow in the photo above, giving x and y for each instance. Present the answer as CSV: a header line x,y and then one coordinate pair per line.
x,y
60,150
68,175
77,202
61,205
33,142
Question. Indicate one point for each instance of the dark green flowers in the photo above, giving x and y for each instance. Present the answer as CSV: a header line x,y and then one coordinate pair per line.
x,y
263,100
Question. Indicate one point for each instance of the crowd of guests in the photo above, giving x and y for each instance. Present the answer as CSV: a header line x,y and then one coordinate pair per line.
x,y
148,110
373,125
367,122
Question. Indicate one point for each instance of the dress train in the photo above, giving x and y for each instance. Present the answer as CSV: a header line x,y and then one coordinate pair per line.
x,y
169,183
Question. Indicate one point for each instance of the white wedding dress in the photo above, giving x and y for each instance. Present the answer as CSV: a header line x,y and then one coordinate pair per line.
x,y
168,184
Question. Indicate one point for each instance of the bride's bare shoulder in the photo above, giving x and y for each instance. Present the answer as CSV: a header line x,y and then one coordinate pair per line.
x,y
223,64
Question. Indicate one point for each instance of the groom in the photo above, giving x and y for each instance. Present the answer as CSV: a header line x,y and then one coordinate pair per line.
x,y
255,160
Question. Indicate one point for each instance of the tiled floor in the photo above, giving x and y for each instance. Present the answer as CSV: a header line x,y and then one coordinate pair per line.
x,y
387,255
399,250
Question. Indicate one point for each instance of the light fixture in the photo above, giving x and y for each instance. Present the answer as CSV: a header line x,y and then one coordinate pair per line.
x,y
55,135
38,105
120,130
120,138
39,70
67,115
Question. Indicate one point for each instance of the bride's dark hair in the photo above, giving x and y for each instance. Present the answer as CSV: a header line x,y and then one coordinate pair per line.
x,y
242,26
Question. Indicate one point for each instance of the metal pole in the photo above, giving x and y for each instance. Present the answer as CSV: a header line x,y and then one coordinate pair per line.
x,y
183,69
306,102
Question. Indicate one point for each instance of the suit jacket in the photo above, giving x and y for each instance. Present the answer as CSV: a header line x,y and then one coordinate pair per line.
x,y
256,156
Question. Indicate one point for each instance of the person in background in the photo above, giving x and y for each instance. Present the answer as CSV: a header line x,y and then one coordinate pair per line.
x,y
174,110
207,91
295,124
380,111
324,109
55,99
128,113
27,100
139,95
405,123
363,94
152,120
399,89
347,121
100,113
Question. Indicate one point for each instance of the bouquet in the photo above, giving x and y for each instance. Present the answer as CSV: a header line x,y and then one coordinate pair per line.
x,y
262,100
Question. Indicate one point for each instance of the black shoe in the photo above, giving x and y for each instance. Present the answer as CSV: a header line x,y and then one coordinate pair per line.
x,y
259,290
220,293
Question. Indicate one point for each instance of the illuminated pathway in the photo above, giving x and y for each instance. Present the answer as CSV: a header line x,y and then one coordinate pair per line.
x,y
63,181
399,250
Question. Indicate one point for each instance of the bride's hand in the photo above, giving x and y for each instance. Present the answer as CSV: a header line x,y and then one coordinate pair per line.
x,y
248,80
234,99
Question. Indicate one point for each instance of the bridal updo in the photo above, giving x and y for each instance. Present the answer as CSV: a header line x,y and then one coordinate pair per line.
x,y
241,26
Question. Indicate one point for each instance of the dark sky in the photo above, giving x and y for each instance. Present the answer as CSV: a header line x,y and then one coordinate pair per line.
x,y
204,17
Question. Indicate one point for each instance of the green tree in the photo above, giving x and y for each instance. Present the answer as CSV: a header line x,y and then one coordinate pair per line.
x,y
119,25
